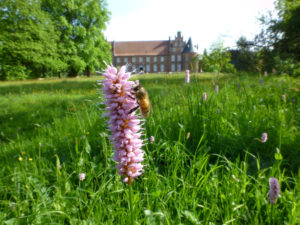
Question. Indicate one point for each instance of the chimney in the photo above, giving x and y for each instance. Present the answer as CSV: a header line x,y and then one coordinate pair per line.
x,y
178,34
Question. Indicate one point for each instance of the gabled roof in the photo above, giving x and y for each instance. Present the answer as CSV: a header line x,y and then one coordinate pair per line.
x,y
132,48
188,47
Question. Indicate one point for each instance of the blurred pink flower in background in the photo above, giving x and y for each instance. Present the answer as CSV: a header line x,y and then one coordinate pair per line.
x,y
124,126
274,189
264,137
187,76
81,176
151,139
204,96
217,89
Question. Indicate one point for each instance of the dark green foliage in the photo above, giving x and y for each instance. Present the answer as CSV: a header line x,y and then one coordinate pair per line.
x,y
28,46
82,43
279,40
49,38
218,60
289,26
244,58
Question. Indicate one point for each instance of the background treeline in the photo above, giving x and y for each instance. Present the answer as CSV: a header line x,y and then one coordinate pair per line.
x,y
44,38
275,49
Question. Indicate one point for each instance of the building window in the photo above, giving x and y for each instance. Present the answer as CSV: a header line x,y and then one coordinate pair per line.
x,y
154,67
118,60
154,59
162,68
173,58
125,60
178,58
147,59
178,67
173,67
133,59
162,58
148,68
186,58
140,59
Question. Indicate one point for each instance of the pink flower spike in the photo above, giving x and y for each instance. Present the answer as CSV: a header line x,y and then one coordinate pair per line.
x,y
204,96
187,76
274,189
81,176
264,137
124,126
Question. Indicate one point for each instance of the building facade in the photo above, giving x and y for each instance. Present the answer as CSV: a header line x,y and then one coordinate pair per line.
x,y
154,56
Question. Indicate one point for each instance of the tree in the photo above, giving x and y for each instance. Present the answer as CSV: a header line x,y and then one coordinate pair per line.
x,y
28,40
289,27
80,23
219,58
279,41
243,57
195,63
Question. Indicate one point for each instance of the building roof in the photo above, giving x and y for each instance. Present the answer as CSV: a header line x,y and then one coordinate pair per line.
x,y
134,48
188,47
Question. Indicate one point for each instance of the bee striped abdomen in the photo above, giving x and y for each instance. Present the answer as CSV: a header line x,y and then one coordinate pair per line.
x,y
142,100
144,107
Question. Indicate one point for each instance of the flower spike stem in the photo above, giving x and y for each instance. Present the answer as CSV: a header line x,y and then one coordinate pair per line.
x,y
131,205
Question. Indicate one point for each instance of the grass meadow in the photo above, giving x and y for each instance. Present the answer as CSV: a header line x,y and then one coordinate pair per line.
x,y
207,164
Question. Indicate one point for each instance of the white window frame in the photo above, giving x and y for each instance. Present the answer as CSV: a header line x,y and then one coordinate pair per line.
x,y
162,58
140,59
154,59
147,59
155,67
172,58
162,68
133,59
118,60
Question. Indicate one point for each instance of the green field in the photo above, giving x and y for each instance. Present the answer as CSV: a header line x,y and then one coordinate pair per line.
x,y
206,166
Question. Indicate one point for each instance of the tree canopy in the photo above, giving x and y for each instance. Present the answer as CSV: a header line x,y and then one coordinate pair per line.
x,y
278,44
41,38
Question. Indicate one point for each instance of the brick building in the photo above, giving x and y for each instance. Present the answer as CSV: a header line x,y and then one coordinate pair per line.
x,y
154,56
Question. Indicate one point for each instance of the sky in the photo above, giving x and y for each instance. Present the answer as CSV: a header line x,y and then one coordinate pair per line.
x,y
205,21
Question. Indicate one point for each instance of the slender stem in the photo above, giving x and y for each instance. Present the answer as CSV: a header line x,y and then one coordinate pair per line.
x,y
131,205
271,214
